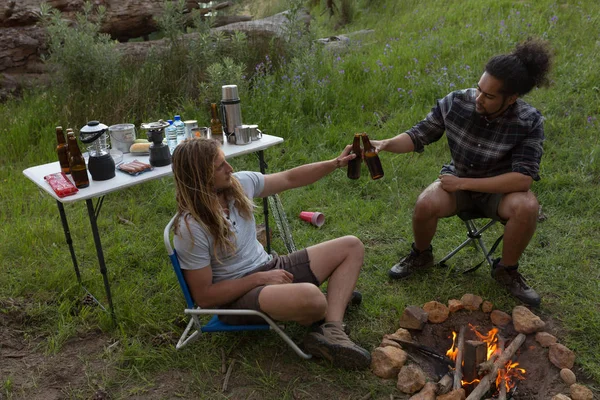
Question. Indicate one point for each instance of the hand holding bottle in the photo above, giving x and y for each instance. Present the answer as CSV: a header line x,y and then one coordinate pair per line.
x,y
345,157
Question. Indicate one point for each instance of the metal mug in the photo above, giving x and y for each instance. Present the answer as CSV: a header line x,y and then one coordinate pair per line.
x,y
242,135
189,127
255,133
201,132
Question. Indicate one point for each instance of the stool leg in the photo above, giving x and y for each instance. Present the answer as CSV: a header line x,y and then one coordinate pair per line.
x,y
470,234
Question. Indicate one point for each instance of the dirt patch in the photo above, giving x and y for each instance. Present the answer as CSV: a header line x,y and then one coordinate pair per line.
x,y
542,377
85,364
27,372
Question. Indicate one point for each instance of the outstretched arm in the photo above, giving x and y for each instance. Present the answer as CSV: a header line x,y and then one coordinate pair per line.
x,y
398,144
304,174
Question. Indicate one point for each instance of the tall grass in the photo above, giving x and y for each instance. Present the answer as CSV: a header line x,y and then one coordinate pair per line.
x,y
316,99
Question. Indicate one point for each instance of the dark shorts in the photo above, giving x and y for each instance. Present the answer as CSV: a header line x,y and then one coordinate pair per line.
x,y
476,203
296,263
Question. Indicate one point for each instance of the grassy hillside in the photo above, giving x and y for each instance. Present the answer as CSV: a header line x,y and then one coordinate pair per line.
x,y
382,83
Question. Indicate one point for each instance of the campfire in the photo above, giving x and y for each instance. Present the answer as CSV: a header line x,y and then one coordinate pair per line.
x,y
481,363
479,353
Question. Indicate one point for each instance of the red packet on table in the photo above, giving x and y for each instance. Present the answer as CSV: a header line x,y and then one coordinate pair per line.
x,y
61,185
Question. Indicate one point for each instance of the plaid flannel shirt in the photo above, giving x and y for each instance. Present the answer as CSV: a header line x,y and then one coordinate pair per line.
x,y
480,148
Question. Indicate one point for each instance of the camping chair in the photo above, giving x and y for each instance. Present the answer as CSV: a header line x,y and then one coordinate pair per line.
x,y
474,235
195,328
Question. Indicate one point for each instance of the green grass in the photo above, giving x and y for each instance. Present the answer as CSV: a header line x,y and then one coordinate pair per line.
x,y
420,51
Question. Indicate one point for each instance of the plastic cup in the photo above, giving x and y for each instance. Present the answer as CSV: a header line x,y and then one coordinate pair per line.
x,y
313,217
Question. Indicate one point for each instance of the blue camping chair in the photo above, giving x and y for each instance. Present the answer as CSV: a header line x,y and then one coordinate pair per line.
x,y
195,327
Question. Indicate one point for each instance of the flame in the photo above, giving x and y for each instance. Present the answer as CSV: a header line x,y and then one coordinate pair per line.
x,y
465,383
452,351
491,339
509,375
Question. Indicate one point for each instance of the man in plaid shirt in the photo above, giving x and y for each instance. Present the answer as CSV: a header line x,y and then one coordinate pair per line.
x,y
495,141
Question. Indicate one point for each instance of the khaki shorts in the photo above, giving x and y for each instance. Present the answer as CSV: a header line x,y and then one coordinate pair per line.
x,y
296,263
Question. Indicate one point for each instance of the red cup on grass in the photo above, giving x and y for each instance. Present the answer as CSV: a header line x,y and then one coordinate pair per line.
x,y
313,217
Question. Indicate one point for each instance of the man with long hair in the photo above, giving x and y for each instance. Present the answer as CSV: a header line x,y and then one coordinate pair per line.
x,y
225,265
495,139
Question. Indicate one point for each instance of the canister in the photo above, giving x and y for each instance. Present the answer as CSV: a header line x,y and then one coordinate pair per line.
x,y
189,126
122,136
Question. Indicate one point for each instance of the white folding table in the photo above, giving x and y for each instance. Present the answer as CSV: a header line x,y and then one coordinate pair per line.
x,y
98,189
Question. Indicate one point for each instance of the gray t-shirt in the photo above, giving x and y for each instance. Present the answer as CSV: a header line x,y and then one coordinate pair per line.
x,y
249,253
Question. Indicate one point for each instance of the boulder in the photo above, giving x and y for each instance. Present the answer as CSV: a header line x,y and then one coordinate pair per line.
x,y
413,317
525,321
455,305
500,318
580,392
545,339
561,356
471,302
411,379
386,362
436,312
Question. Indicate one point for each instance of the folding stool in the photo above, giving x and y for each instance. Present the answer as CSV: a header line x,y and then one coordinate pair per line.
x,y
474,235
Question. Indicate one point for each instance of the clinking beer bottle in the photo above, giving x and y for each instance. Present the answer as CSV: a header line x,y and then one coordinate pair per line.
x,y
354,165
371,158
216,128
62,151
77,162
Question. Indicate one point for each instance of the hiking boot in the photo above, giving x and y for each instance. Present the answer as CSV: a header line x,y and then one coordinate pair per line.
x,y
511,278
414,260
330,342
355,299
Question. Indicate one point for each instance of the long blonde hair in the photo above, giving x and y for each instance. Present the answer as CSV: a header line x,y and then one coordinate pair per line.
x,y
193,169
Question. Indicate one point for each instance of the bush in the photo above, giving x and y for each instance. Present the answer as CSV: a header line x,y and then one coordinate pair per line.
x,y
84,58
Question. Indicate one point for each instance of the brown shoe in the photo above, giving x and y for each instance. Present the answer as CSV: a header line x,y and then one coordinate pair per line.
x,y
329,341
413,261
512,280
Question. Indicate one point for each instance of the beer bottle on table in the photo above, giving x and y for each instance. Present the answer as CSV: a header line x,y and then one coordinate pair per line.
x,y
62,151
77,162
354,165
371,158
216,128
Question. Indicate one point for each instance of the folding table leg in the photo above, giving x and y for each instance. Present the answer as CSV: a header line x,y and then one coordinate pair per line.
x,y
92,215
65,224
263,165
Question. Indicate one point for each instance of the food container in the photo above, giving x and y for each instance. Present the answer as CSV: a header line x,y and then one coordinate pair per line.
x,y
122,136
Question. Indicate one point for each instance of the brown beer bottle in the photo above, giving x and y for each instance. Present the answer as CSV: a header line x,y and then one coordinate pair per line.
x,y
77,162
354,165
371,158
62,151
216,128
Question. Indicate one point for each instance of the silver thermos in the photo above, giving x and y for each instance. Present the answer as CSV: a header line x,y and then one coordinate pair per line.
x,y
231,111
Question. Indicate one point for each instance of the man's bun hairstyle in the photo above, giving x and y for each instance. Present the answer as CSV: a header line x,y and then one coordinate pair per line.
x,y
523,69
